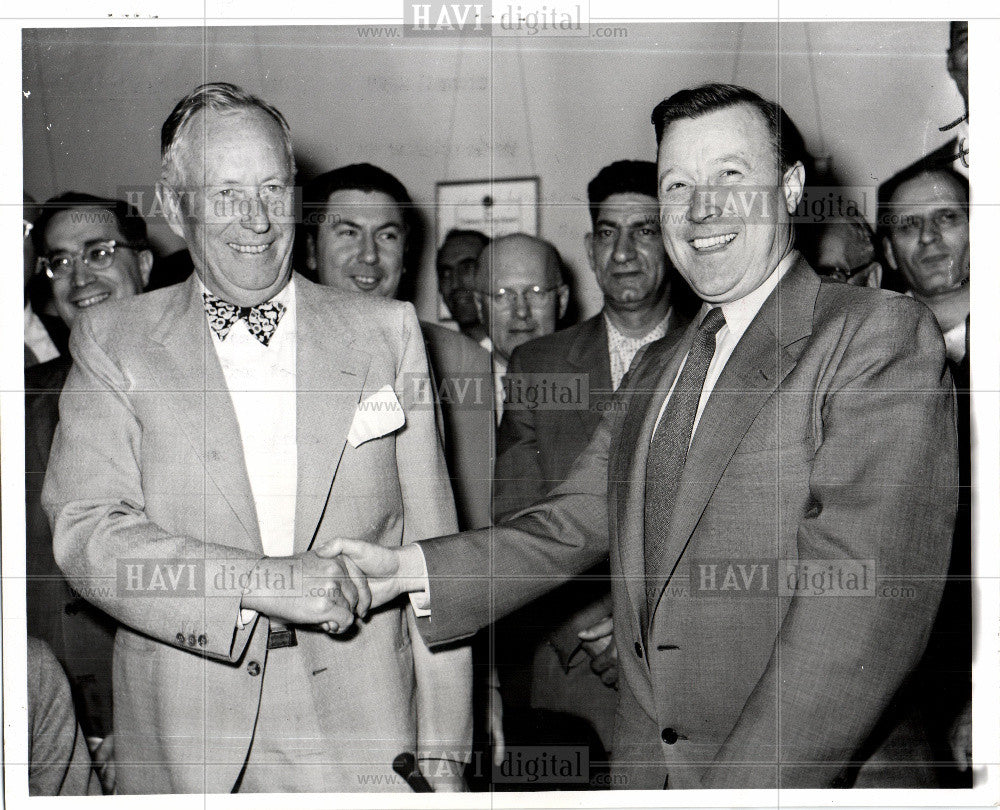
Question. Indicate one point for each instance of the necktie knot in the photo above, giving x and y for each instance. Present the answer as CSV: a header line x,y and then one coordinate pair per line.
x,y
713,322
262,319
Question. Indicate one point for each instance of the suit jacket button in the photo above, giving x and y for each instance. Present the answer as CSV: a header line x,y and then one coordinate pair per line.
x,y
638,649
253,668
192,640
180,638
202,640
669,736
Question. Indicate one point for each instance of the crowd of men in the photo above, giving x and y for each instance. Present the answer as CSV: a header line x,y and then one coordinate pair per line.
x,y
269,510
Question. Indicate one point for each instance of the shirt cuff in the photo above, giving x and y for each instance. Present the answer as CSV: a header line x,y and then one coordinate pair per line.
x,y
246,617
421,600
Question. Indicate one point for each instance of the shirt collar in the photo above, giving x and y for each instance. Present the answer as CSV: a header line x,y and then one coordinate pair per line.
x,y
741,312
285,296
658,330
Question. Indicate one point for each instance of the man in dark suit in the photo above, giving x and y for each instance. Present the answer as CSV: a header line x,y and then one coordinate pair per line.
x,y
924,214
801,470
543,661
92,250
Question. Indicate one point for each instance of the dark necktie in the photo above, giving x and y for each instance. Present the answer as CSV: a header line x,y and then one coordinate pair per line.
x,y
668,450
261,320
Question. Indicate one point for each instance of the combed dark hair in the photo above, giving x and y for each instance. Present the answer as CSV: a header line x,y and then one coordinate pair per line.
x,y
220,97
888,189
364,177
621,177
356,177
129,220
693,102
467,233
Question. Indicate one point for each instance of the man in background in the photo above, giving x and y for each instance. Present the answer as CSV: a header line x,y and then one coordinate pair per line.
x,y
360,221
92,251
924,213
520,295
456,273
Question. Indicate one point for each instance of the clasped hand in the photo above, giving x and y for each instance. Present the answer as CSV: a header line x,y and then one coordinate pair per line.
x,y
339,580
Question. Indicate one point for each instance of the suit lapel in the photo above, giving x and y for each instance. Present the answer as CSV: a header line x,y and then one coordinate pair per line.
x,y
194,390
643,397
330,376
753,373
589,355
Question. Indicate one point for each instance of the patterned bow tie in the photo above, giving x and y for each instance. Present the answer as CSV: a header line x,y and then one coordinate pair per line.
x,y
261,320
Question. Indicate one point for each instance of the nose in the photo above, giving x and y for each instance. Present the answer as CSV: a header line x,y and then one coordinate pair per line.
x,y
522,309
929,231
703,204
257,218
624,247
369,250
82,274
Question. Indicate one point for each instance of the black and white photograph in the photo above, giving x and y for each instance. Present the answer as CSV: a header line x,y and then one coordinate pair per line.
x,y
561,404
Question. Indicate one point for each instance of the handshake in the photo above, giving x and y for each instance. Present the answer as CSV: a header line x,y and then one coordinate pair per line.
x,y
333,583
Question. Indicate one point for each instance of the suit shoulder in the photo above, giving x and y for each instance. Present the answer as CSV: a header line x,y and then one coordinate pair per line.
x,y
453,349
553,348
359,311
119,319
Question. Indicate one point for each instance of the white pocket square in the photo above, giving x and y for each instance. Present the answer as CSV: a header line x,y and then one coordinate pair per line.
x,y
377,415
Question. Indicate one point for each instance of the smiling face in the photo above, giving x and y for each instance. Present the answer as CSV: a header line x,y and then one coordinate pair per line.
x,y
71,231
725,203
235,208
929,235
626,252
359,247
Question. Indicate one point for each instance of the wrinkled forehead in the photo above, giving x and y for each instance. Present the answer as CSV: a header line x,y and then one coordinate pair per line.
x,y
225,141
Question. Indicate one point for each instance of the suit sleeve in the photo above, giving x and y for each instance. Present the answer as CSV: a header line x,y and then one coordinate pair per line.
x,y
93,495
883,484
478,577
444,677
518,481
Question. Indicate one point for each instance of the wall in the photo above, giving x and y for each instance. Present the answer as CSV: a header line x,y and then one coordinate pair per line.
x,y
454,109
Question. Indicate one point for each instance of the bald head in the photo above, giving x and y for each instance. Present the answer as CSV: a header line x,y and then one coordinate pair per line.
x,y
519,290
846,252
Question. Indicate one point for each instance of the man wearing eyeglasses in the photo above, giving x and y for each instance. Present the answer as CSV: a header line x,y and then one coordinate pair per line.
x,y
520,295
92,250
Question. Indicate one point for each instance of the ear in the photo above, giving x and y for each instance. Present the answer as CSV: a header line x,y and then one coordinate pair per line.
x,y
793,185
890,254
874,275
588,242
170,203
480,307
311,252
563,301
145,266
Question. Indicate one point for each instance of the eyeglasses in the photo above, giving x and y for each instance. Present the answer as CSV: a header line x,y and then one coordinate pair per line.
x,y
845,276
506,297
97,255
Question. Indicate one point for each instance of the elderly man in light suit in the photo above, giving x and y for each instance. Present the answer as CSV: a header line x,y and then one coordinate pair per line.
x,y
798,427
213,435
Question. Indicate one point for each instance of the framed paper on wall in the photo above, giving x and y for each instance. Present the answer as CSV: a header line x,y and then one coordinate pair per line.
x,y
494,207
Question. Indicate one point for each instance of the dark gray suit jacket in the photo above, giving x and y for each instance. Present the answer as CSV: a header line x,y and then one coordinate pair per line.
x,y
829,441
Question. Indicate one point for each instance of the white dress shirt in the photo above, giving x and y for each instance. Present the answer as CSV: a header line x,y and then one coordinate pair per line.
x,y
738,316
36,337
261,383
622,348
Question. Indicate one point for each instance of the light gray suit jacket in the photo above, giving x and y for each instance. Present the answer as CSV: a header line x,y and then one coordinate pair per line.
x,y
830,436
147,468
